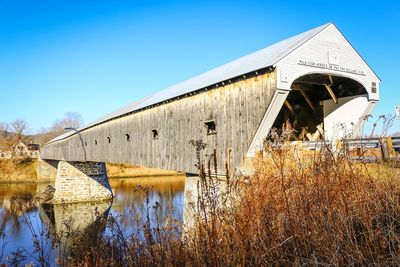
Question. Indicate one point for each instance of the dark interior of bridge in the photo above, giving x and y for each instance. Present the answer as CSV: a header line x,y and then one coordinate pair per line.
x,y
303,114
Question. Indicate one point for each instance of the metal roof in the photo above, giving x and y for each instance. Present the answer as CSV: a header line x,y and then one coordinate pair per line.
x,y
260,59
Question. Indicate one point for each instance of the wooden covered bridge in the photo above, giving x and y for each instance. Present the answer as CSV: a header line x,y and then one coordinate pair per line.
x,y
315,82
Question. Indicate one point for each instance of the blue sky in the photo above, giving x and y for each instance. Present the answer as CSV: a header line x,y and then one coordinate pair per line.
x,y
96,56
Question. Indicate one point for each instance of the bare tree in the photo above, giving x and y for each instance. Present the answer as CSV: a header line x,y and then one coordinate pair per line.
x,y
20,128
5,133
42,136
71,120
12,134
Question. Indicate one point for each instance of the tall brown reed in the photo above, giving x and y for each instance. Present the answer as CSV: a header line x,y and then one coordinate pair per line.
x,y
297,208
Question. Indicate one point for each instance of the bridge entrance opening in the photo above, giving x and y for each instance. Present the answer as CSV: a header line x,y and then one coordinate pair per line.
x,y
321,106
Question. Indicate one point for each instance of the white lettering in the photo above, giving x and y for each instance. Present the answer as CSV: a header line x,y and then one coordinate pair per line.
x,y
330,66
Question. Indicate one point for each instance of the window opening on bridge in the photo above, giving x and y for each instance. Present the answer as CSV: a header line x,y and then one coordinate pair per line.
x,y
373,87
128,138
109,139
95,141
211,127
155,134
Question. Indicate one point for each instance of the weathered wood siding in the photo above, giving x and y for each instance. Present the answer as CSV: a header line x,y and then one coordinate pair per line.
x,y
237,109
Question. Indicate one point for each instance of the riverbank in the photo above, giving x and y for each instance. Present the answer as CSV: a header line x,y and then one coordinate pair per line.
x,y
117,171
18,170
24,171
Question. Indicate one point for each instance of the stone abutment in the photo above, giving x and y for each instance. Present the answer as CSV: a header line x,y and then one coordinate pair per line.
x,y
81,182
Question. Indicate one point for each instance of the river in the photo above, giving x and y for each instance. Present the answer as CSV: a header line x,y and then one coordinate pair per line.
x,y
21,216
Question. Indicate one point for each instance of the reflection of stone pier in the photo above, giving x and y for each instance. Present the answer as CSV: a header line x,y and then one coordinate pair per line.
x,y
192,197
79,216
190,201
69,220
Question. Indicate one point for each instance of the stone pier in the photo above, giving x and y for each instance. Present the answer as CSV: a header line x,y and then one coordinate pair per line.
x,y
81,182
46,170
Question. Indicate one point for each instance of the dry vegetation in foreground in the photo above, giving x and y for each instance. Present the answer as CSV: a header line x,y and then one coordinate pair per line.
x,y
18,170
318,209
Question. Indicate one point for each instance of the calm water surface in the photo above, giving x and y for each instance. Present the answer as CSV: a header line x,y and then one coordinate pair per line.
x,y
20,216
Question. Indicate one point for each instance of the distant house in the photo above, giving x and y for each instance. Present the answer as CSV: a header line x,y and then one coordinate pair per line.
x,y
21,150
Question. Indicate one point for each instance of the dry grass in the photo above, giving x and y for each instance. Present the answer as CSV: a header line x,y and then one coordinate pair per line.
x,y
18,170
127,171
320,209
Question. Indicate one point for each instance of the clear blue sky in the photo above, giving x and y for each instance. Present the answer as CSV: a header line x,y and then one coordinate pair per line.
x,y
96,56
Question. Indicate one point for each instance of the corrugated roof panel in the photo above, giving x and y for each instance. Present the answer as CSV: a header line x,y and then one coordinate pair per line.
x,y
258,60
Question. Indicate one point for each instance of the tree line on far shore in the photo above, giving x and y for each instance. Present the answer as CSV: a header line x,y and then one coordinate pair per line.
x,y
18,131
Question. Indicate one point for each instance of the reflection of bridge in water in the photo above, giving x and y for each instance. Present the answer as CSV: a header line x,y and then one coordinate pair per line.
x,y
73,216
128,207
130,204
69,220
176,196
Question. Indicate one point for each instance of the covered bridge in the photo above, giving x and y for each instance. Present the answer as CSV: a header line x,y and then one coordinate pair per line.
x,y
314,82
